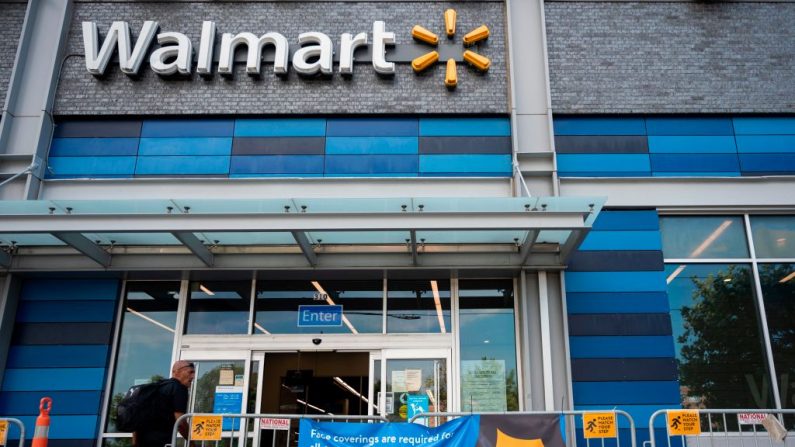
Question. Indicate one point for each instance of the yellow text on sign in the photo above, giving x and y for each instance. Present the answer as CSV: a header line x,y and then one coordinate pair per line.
x,y
206,428
3,432
683,422
599,425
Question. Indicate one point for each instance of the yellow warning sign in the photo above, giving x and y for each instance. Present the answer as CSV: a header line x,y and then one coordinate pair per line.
x,y
206,428
683,422
599,425
3,432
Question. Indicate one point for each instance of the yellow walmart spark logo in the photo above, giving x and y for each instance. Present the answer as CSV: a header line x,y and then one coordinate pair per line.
x,y
429,59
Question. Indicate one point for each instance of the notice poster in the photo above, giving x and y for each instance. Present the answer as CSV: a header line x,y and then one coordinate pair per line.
x,y
229,400
483,385
399,381
413,380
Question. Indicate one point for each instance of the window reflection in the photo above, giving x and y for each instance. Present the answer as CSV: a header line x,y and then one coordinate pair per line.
x,y
778,290
703,237
774,236
418,306
218,307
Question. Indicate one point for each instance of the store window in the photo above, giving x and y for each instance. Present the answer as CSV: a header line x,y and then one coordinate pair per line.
x,y
774,236
778,290
703,237
147,336
418,306
218,307
488,346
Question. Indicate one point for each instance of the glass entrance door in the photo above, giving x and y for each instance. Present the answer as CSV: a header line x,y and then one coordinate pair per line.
x,y
412,381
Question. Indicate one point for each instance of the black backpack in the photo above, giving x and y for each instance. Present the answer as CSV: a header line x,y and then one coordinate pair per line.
x,y
139,406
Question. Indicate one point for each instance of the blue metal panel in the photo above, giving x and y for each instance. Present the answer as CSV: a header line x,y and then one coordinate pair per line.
x,y
277,164
695,174
692,145
66,427
569,125
689,126
186,146
452,127
631,346
182,165
615,281
66,402
620,324
372,145
98,129
615,260
619,393
764,126
65,311
86,147
70,289
627,220
622,240
296,175
603,162
784,163
188,128
766,143
695,162
604,174
627,302
471,163
55,356
285,127
367,174
90,166
45,379
371,164
62,334
372,127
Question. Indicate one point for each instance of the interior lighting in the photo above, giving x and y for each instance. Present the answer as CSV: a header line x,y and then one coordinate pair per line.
x,y
674,274
261,329
353,391
787,278
330,301
449,22
701,248
151,320
206,290
476,35
782,241
313,407
727,280
424,35
438,303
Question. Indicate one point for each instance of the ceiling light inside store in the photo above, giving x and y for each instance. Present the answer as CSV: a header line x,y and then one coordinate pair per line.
x,y
710,239
151,320
206,290
313,407
438,303
345,320
261,329
787,278
674,274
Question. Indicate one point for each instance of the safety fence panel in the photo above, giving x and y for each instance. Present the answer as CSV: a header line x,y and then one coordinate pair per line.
x,y
5,429
722,428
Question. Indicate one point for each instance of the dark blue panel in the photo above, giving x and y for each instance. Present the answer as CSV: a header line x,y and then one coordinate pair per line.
x,y
452,127
612,302
86,147
372,127
605,174
98,129
281,127
765,126
188,128
637,346
615,281
766,143
465,145
618,393
45,379
620,324
70,289
627,220
277,164
54,356
623,369
695,174
716,144
689,126
593,163
90,166
62,334
183,165
782,163
371,164
466,163
583,261
279,146
65,311
371,145
186,146
25,403
695,162
569,125
601,144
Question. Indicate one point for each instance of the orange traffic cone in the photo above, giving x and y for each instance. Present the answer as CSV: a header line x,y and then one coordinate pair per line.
x,y
42,423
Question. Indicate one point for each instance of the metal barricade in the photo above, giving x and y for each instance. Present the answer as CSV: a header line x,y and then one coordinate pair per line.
x,y
724,428
246,430
21,427
570,418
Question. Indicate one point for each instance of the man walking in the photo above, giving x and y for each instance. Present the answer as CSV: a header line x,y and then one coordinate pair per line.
x,y
171,402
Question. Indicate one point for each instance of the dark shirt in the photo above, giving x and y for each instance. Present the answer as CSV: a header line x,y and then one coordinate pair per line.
x,y
173,398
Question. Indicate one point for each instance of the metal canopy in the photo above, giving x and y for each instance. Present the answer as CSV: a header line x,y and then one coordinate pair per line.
x,y
517,232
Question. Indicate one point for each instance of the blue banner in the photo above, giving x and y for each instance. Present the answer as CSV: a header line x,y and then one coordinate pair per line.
x,y
461,432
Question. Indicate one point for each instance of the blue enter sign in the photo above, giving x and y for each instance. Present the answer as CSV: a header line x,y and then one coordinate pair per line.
x,y
319,316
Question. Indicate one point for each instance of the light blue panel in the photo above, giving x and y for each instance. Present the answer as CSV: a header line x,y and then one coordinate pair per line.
x,y
65,311
65,426
370,164
277,164
372,145
640,413
86,147
622,240
632,346
767,163
186,146
615,281
695,174
471,163
182,165
603,162
63,379
372,127
294,175
70,289
692,144
88,166
764,126
602,174
462,127
567,125
372,174
689,126
617,393
610,303
627,220
284,127
695,162
766,143
188,128
54,356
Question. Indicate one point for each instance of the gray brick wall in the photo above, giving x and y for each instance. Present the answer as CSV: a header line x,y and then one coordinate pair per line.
x,y
79,93
12,15
671,57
